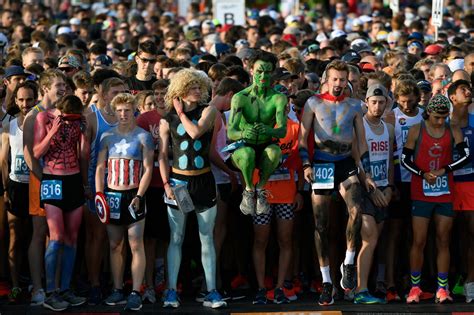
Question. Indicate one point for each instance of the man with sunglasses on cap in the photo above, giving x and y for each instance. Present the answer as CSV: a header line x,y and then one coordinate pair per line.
x,y
428,155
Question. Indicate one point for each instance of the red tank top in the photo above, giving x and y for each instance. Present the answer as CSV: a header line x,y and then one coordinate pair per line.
x,y
432,154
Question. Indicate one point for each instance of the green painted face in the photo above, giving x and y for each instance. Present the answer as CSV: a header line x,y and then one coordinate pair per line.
x,y
262,72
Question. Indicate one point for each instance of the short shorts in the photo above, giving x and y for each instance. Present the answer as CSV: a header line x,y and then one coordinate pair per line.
x,y
19,203
156,224
34,194
123,217
427,209
463,196
368,208
202,189
71,191
284,211
342,170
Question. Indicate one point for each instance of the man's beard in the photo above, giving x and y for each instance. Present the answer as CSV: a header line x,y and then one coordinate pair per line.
x,y
337,92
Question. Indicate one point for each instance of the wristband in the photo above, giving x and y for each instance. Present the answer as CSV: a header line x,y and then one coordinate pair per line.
x,y
139,197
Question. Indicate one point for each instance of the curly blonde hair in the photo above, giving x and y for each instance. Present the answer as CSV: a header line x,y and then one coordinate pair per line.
x,y
182,82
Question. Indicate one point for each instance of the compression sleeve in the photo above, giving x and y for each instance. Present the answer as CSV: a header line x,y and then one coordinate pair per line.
x,y
463,151
406,161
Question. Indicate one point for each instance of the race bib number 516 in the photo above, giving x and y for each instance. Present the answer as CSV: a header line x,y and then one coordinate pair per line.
x,y
51,190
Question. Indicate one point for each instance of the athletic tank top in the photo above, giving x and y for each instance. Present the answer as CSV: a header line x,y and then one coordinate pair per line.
x,y
431,154
102,126
93,108
19,171
189,154
379,152
220,176
403,122
465,174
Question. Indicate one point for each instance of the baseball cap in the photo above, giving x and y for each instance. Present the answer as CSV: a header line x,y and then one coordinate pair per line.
x,y
245,53
456,64
351,56
424,85
218,49
103,60
241,43
225,28
193,34
290,38
433,49
360,45
416,36
337,33
376,90
15,71
281,73
69,61
454,86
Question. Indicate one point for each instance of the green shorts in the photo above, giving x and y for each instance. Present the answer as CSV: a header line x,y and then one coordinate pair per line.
x,y
426,209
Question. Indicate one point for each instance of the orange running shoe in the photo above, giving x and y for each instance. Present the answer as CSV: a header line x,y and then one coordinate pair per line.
x,y
442,296
290,293
297,286
414,295
316,286
239,282
392,295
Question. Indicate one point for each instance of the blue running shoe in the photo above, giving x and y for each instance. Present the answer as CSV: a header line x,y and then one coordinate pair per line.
x,y
261,297
364,297
171,299
134,302
214,300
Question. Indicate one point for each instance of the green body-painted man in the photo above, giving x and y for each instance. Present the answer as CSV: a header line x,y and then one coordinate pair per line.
x,y
258,118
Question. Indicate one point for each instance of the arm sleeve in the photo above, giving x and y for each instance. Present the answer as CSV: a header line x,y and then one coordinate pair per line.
x,y
407,162
463,151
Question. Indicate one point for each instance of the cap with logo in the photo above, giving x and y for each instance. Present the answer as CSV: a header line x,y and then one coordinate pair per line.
x,y
376,90
69,61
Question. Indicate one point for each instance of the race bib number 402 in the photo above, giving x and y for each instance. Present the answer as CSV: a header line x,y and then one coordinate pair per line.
x,y
51,190
323,176
439,188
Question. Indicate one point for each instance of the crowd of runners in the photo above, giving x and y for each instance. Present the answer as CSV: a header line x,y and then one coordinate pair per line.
x,y
325,150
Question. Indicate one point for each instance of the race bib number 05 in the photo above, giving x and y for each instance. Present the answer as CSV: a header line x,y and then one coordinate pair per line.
x,y
114,200
323,176
439,188
51,190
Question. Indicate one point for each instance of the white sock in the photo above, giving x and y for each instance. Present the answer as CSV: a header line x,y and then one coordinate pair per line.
x,y
326,274
381,273
350,255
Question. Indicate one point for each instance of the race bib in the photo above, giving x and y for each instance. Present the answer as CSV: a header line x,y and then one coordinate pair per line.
x,y
323,176
379,172
21,168
439,188
51,190
404,134
114,199
279,175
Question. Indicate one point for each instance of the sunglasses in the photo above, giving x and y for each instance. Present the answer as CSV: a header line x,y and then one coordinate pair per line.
x,y
145,60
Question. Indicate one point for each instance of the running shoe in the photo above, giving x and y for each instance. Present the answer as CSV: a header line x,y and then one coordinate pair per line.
x,y
469,291
297,286
279,297
248,204
290,291
316,286
442,296
239,282
55,302
73,299
458,288
380,290
261,297
38,298
95,296
263,206
134,302
171,299
392,295
349,279
326,297
14,296
201,296
364,297
149,295
214,300
414,295
115,298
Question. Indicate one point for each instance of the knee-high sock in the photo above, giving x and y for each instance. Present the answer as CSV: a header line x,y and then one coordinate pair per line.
x,y
67,266
177,221
50,263
206,220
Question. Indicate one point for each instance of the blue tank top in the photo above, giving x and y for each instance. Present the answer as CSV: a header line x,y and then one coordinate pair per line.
x,y
466,174
102,126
